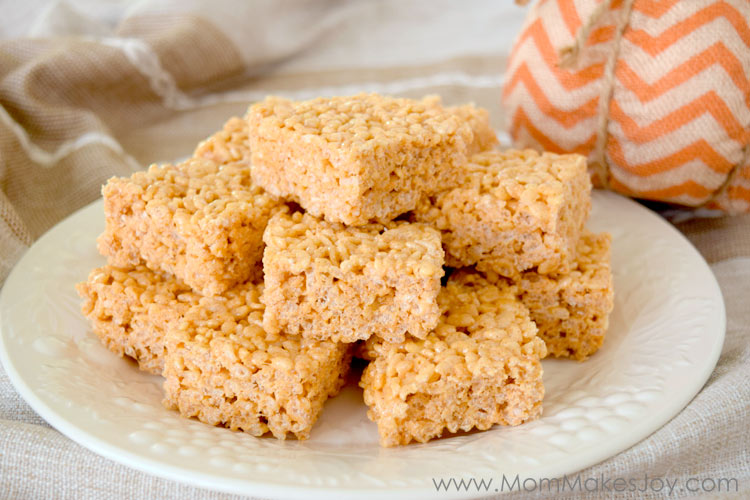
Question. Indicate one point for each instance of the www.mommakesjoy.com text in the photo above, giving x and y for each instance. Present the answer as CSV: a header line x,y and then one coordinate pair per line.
x,y
579,483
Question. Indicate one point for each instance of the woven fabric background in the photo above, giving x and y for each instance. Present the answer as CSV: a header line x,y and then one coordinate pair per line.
x,y
89,90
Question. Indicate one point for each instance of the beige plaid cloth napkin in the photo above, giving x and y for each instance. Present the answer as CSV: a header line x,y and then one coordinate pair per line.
x,y
89,90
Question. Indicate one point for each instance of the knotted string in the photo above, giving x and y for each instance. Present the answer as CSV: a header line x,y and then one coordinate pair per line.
x,y
568,56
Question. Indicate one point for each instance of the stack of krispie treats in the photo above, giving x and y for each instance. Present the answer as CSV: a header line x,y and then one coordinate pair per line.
x,y
308,232
181,294
518,216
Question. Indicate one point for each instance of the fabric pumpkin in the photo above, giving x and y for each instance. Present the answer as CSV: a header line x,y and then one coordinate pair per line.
x,y
655,92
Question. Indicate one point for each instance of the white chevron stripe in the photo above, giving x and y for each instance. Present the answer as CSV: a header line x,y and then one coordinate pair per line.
x,y
558,34
555,26
656,26
555,92
713,78
521,94
573,136
552,24
695,170
681,11
703,127
655,67
524,139
585,8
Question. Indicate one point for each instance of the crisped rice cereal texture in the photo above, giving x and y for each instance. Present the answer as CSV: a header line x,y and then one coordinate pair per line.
x,y
481,366
327,281
229,145
224,369
361,158
130,310
511,211
572,309
201,220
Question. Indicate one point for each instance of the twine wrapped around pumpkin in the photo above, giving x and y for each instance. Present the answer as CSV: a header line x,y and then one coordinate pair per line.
x,y
655,92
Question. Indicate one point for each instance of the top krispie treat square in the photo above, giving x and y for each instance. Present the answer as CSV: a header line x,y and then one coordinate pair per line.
x,y
511,211
361,158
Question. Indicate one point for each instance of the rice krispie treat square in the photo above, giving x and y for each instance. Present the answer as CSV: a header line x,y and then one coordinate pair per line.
x,y
481,366
572,309
361,158
229,145
224,369
201,220
328,281
511,211
130,310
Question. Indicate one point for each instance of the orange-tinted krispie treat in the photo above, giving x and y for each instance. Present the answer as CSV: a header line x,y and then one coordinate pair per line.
x,y
478,120
201,220
224,369
572,309
130,310
361,158
511,211
327,281
481,366
228,145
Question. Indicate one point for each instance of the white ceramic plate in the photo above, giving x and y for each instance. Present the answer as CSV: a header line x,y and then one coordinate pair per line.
x,y
666,333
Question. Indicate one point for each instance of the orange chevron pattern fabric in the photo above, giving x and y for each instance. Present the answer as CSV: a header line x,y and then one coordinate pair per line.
x,y
655,92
